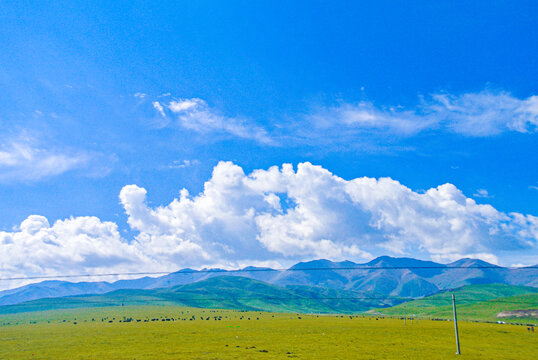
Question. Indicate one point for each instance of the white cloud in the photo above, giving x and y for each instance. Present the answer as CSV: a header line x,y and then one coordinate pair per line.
x,y
23,159
181,164
70,246
312,213
477,114
485,113
472,114
157,106
365,116
278,215
194,114
482,193
186,105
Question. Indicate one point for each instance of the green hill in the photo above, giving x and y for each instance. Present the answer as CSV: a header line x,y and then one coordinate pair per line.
x,y
474,302
223,292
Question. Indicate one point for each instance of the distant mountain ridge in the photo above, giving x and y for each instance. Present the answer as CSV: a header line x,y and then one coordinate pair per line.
x,y
240,293
222,292
404,277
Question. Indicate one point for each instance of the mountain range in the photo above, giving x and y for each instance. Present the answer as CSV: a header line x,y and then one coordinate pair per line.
x,y
383,276
476,302
222,292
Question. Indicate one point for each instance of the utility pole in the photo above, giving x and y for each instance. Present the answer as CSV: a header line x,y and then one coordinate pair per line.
x,y
456,325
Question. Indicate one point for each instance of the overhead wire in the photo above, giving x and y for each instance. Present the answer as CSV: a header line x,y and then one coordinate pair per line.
x,y
83,300
111,302
192,271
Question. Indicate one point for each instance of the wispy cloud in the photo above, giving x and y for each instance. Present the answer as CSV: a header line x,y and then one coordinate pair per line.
x,y
485,113
482,193
472,114
365,116
27,159
196,115
181,164
160,109
481,114
186,105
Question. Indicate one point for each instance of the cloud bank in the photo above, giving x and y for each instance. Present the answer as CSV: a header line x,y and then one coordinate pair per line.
x,y
281,215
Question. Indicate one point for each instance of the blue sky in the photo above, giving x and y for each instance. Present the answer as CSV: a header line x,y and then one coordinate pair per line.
x,y
98,96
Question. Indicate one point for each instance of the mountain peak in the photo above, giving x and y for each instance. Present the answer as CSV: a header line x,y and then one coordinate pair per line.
x,y
255,268
468,262
401,262
322,263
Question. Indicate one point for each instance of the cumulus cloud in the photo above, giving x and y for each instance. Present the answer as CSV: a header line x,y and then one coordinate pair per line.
x,y
196,115
472,114
278,215
313,213
23,159
70,246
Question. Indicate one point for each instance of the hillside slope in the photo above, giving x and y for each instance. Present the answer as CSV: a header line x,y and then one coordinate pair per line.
x,y
474,302
223,292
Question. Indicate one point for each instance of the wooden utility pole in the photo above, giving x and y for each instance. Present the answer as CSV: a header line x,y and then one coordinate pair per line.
x,y
456,325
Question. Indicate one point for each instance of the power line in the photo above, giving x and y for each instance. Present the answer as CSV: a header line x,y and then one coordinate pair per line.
x,y
84,300
190,271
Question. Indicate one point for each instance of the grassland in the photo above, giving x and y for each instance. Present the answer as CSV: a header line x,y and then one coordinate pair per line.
x,y
476,302
167,332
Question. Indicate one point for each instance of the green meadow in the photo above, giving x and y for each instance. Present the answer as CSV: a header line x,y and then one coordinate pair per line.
x,y
173,332
474,302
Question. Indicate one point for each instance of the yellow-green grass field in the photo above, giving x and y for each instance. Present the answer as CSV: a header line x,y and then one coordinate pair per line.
x,y
144,333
